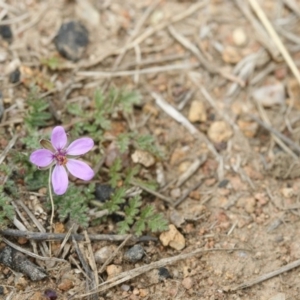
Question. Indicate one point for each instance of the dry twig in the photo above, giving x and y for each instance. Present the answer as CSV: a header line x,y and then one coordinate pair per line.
x,y
276,39
267,276
125,276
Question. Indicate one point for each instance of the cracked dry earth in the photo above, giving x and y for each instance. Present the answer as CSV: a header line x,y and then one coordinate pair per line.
x,y
213,62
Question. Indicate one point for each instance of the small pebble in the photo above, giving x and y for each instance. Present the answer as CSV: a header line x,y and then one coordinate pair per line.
x,y
71,40
103,192
163,273
187,283
66,284
134,254
50,294
223,183
219,131
14,76
143,157
175,193
104,253
125,287
239,37
6,33
113,270
172,238
197,112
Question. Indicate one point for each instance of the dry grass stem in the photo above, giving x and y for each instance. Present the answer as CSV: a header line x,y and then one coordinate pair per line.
x,y
276,39
267,276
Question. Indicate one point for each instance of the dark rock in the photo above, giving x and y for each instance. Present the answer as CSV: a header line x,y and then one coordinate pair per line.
x,y
223,183
19,263
14,76
6,33
71,40
134,254
50,294
1,290
117,218
103,192
163,273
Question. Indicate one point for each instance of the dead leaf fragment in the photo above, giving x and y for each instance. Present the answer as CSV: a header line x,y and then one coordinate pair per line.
x,y
219,131
173,238
143,157
197,112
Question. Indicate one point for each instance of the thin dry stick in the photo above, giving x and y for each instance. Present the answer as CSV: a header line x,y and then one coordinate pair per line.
x,y
65,240
264,277
262,35
35,221
135,31
91,258
114,254
191,170
41,236
275,137
125,276
159,69
90,280
156,194
177,116
34,21
14,20
185,195
192,48
8,147
276,39
288,141
30,253
147,33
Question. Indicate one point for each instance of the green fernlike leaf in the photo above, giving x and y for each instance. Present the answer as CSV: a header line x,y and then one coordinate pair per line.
x,y
6,210
116,200
36,114
73,204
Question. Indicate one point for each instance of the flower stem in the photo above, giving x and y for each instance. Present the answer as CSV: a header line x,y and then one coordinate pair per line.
x,y
51,199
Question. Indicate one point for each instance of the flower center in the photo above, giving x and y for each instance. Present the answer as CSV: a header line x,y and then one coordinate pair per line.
x,y
61,158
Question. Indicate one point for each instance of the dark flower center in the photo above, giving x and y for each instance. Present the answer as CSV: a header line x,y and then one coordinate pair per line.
x,y
61,158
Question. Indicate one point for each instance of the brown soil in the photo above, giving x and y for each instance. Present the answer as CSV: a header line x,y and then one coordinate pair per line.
x,y
217,54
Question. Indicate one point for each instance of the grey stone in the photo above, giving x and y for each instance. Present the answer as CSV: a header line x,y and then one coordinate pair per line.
x,y
134,254
71,40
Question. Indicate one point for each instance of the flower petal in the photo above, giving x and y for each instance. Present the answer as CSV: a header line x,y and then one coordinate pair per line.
x,y
41,157
80,169
60,180
80,146
58,138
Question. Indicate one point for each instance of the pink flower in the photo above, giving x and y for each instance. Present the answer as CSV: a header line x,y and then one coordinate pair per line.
x,y
56,153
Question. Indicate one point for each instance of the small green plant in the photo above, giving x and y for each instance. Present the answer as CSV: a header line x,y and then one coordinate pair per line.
x,y
137,218
76,200
96,121
143,142
74,205
37,114
141,219
6,210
